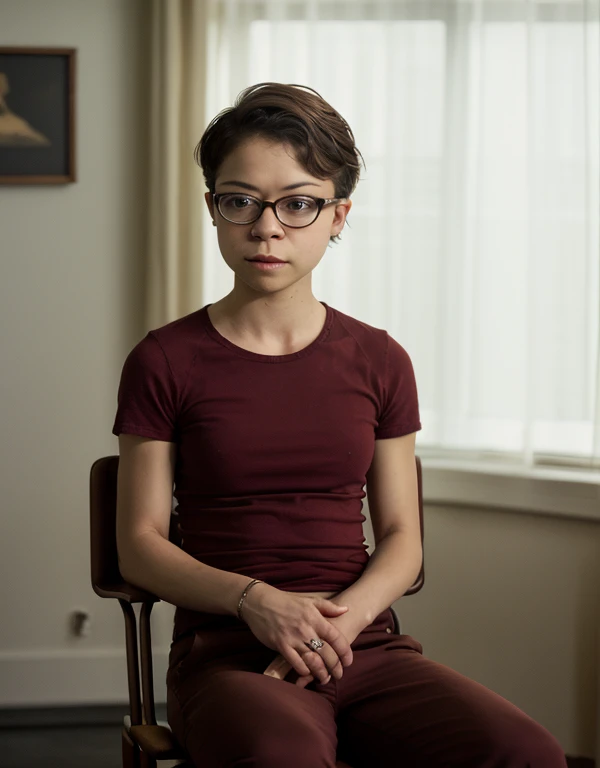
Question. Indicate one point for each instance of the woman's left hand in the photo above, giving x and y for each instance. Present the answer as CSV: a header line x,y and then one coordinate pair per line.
x,y
279,668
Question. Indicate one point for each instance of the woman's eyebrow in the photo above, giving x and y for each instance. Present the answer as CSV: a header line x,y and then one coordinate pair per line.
x,y
256,189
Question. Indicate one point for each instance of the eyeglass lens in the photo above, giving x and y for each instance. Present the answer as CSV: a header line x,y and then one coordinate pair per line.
x,y
295,211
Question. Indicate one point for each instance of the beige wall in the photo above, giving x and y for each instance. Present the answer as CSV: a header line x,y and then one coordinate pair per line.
x,y
510,599
70,310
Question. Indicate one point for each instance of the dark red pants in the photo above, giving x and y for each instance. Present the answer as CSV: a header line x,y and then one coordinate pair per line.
x,y
392,708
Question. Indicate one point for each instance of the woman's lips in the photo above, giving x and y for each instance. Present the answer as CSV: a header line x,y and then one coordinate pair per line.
x,y
266,265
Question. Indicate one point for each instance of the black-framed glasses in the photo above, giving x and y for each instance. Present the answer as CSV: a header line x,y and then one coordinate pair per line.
x,y
292,211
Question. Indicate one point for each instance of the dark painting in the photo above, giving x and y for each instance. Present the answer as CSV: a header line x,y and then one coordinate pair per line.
x,y
36,116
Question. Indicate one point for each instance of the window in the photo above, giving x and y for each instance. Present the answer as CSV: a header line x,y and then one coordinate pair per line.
x,y
474,233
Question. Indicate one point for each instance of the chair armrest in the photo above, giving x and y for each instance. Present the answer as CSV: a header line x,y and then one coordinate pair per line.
x,y
157,741
124,591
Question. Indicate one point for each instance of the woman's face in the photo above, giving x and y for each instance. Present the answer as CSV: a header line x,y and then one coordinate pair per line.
x,y
268,171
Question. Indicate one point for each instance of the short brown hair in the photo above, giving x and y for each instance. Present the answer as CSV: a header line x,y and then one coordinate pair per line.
x,y
291,114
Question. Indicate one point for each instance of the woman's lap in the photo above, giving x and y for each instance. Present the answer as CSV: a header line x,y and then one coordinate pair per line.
x,y
392,707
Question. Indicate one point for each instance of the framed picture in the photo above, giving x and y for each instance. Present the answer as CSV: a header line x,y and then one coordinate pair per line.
x,y
37,115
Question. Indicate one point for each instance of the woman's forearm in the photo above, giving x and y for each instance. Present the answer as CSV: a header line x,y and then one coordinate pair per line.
x,y
391,570
156,564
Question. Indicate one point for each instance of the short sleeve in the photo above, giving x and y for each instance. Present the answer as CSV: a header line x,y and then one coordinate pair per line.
x,y
147,394
400,408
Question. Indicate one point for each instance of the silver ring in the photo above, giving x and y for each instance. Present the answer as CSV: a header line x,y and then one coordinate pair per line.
x,y
314,644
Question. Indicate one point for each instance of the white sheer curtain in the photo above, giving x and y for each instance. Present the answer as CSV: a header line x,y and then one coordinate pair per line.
x,y
474,236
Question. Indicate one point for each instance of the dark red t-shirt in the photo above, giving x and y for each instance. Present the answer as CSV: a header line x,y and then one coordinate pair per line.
x,y
272,451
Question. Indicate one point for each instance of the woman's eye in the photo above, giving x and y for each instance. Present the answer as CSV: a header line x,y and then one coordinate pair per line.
x,y
240,202
299,204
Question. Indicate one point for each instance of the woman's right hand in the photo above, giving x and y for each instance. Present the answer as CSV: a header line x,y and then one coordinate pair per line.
x,y
286,621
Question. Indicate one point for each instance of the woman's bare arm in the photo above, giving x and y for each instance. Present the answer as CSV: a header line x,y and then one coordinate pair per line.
x,y
146,556
393,497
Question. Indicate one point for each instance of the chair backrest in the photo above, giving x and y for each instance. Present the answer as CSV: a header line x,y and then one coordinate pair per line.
x,y
103,523
421,577
144,734
107,580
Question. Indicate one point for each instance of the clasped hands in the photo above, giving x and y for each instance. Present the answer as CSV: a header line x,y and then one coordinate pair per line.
x,y
286,621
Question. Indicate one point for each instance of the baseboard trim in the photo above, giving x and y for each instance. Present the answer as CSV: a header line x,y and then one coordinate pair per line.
x,y
68,717
67,679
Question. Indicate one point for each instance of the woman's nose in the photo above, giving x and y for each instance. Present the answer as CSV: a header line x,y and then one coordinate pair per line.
x,y
267,225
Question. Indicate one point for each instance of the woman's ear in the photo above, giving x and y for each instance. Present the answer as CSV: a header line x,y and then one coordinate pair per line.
x,y
339,217
210,204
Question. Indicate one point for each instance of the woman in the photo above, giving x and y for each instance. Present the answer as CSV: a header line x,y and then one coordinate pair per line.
x,y
269,410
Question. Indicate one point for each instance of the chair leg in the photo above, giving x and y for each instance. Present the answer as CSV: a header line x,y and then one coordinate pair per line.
x,y
130,751
147,762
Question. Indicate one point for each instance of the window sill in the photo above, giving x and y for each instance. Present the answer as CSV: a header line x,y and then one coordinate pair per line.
x,y
560,492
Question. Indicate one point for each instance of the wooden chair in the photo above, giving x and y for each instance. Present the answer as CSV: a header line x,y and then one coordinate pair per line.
x,y
144,741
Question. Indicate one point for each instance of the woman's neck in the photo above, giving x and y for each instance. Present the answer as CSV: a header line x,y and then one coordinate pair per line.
x,y
269,324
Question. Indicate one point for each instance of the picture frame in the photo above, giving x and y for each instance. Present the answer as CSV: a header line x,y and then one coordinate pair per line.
x,y
37,115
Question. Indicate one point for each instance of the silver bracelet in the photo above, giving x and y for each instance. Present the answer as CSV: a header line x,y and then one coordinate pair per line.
x,y
243,597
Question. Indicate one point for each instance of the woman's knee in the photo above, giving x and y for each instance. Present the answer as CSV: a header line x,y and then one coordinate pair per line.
x,y
526,745
535,747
